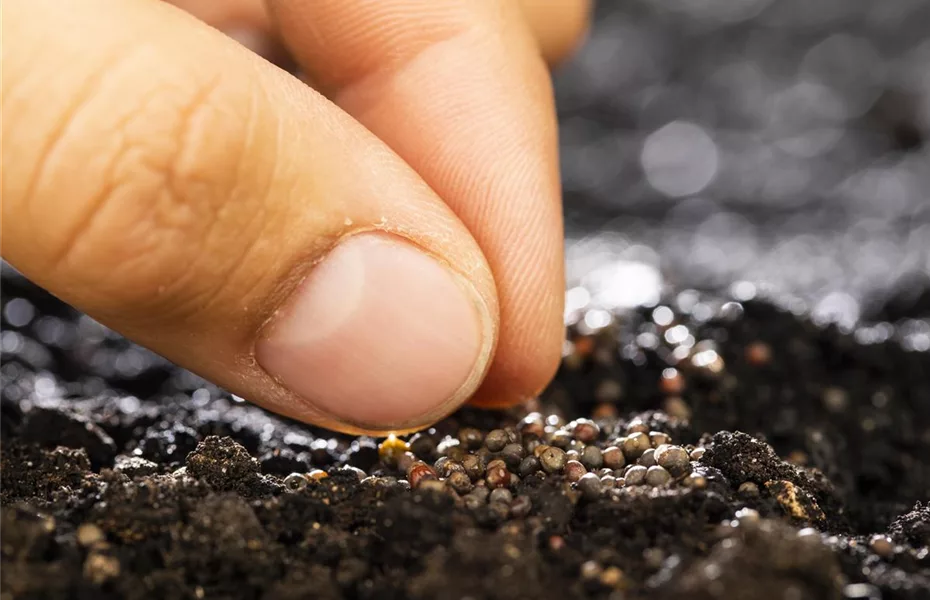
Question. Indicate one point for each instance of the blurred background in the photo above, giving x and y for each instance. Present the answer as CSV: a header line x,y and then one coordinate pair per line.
x,y
778,145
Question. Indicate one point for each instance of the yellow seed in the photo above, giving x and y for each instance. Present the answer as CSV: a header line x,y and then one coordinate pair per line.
x,y
317,474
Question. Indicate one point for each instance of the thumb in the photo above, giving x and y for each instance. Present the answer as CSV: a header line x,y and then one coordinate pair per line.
x,y
205,204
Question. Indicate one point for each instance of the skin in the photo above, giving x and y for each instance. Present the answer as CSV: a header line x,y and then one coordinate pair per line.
x,y
180,188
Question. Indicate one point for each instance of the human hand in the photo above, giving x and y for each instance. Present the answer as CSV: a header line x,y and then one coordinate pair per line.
x,y
365,260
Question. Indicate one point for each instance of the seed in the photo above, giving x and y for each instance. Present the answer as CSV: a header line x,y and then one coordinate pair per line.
x,y
604,472
317,474
530,443
695,480
635,475
552,459
512,454
637,426
295,482
538,450
528,466
613,457
697,453
882,546
500,510
391,449
590,485
473,502
748,488
656,476
608,481
346,469
471,438
586,430
405,461
561,439
480,492
620,482
501,495
574,470
497,475
592,457
521,506
423,445
674,459
496,440
573,455
445,466
473,467
635,444
532,425
460,482
418,472
648,458
657,438
496,462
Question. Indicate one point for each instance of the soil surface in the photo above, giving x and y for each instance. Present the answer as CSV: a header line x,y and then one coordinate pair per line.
x,y
702,448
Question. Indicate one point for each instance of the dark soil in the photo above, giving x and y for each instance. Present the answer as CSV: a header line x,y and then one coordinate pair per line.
x,y
813,481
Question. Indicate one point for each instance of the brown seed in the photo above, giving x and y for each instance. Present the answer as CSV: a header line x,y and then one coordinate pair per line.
x,y
405,461
608,481
561,439
497,476
496,440
496,462
423,445
391,449
538,450
574,470
635,475
637,426
473,467
657,438
418,472
530,443
882,546
656,476
471,438
573,455
648,458
552,459
590,486
592,457
556,543
613,457
432,485
695,480
528,466
512,454
697,453
317,474
532,425
586,430
521,506
673,459
460,482
635,444
445,466
500,495
89,534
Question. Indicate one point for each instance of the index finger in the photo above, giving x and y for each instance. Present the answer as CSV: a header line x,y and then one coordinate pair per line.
x,y
459,90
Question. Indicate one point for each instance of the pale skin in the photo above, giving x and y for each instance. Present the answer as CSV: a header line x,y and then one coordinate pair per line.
x,y
364,250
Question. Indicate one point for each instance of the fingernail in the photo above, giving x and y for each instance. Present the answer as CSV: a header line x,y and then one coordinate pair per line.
x,y
379,336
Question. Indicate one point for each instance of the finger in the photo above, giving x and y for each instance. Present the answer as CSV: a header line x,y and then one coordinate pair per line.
x,y
457,88
557,25
226,216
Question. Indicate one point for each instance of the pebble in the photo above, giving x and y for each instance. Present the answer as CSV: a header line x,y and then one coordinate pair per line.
x,y
648,458
635,475
656,476
552,459
590,486
635,444
295,482
496,440
592,457
673,459
500,495
574,470
613,457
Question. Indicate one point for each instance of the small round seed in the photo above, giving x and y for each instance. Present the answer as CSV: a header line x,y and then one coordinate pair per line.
x,y
613,457
674,459
697,453
423,445
586,430
497,476
574,470
657,438
496,440
573,455
608,481
696,480
473,467
635,475
528,466
656,476
512,454
521,506
635,444
432,485
648,458
460,482
637,426
419,472
445,466
538,450
532,425
590,486
471,438
592,457
561,439
501,495
552,459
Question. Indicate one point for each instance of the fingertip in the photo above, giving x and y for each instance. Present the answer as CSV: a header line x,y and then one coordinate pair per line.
x,y
559,26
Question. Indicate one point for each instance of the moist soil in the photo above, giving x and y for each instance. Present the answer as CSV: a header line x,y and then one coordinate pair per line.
x,y
704,448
